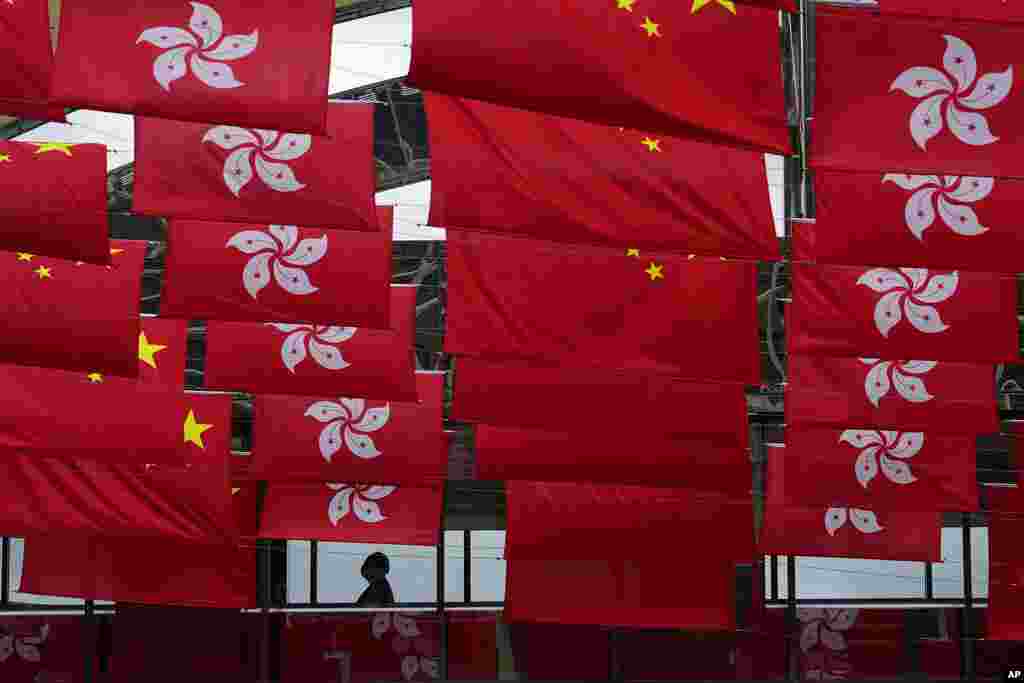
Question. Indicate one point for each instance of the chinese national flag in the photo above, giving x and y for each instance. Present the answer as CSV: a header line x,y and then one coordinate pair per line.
x,y
228,271
508,171
53,197
309,439
620,50
1006,576
916,95
236,62
821,531
933,221
352,513
622,309
567,400
27,56
900,313
316,360
224,173
999,11
162,352
507,453
933,396
878,470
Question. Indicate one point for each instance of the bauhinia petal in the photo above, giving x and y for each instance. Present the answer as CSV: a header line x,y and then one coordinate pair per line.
x,y
835,518
206,23
336,335
290,146
920,211
926,119
380,625
410,666
876,384
6,647
961,219
327,411
170,66
367,510
924,318
859,438
897,472
907,445
293,280
167,37
406,626
921,81
355,407
234,47
971,189
288,327
287,235
911,388
278,177
230,137
883,280
865,521
330,439
841,619
959,61
361,445
27,651
238,169
868,361
887,312
917,367
293,350
970,127
832,640
339,506
807,615
326,356
378,492
252,241
911,182
938,288
214,74
809,635
866,467
917,277
308,252
256,274
374,419
430,666
990,90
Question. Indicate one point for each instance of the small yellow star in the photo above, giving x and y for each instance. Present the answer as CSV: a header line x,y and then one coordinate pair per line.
x,y
194,430
22,256
652,144
53,147
701,4
115,252
5,157
654,271
147,351
95,377
633,252
43,272
234,491
625,4
651,28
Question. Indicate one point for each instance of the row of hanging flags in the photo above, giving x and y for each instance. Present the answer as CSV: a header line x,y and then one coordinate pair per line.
x,y
604,233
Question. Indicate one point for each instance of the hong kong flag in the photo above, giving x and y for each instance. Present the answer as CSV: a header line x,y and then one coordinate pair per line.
x,y
503,170
899,313
297,438
352,513
979,10
933,396
956,222
879,470
1006,606
236,62
227,271
53,197
250,175
316,360
26,51
917,95
621,50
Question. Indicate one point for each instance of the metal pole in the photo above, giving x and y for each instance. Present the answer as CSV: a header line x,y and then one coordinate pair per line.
x,y
5,587
441,613
967,626
467,567
314,572
88,642
792,625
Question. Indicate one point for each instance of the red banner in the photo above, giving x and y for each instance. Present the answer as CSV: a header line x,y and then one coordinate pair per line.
x,y
163,347
637,190
316,360
310,439
228,271
977,10
1006,573
26,49
895,313
224,173
42,648
238,63
510,297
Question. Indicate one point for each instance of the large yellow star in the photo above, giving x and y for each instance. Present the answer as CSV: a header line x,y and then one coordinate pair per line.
x,y
95,378
5,157
147,351
53,147
43,272
633,252
654,271
23,256
652,144
701,4
651,28
625,4
194,430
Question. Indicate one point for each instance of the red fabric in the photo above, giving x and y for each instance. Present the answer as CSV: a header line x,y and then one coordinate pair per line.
x,y
507,453
165,346
227,271
46,649
903,313
297,438
53,201
871,114
999,11
892,471
556,399
62,314
26,50
527,179
472,647
818,531
930,396
588,49
352,513
520,298
661,656
236,62
559,652
331,360
183,170
1006,565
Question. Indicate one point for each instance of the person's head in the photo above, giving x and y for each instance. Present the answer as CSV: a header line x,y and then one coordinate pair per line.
x,y
376,567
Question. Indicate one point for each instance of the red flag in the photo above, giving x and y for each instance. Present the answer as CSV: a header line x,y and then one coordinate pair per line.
x,y
53,197
227,271
352,513
820,531
510,297
931,396
916,95
556,399
879,470
914,220
296,438
897,313
503,170
1006,573
162,352
26,51
239,63
977,10
507,453
42,648
622,52
223,173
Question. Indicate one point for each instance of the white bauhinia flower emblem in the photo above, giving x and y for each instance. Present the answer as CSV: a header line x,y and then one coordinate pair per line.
x,y
317,341
946,197
26,647
360,500
281,249
348,422
886,448
404,626
910,292
202,48
863,521
407,643
903,375
825,626
262,150
951,90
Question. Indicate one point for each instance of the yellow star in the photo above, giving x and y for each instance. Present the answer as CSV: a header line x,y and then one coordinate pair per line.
x,y
5,157
115,252
625,4
651,28
53,147
147,351
633,252
194,430
43,272
654,271
22,256
95,378
701,4
652,144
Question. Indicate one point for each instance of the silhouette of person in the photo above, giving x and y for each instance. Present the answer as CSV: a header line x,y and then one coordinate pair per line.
x,y
378,593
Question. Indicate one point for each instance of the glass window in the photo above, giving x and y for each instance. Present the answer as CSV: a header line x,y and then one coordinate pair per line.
x,y
826,577
947,576
299,555
487,563
454,567
413,574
